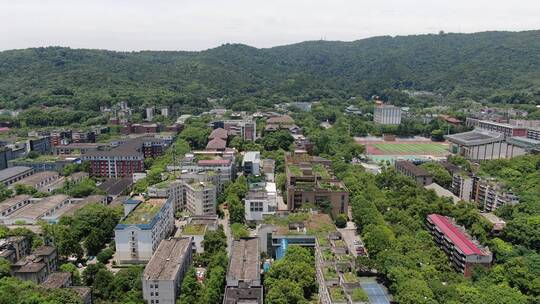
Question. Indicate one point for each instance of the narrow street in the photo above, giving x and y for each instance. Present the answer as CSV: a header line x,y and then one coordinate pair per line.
x,y
350,236
227,229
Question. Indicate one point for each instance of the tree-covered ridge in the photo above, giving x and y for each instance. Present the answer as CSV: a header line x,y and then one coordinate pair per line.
x,y
500,64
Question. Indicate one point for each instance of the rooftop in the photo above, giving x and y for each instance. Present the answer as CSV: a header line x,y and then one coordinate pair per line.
x,y
167,260
10,202
458,238
12,171
244,265
283,119
475,137
37,178
114,186
38,209
216,143
209,162
39,159
414,169
144,212
441,192
252,156
219,133
57,280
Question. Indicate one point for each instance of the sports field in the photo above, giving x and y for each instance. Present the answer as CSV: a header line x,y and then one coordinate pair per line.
x,y
401,148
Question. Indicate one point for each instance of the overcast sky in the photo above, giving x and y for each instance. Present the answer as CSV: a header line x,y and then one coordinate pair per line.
x,y
203,24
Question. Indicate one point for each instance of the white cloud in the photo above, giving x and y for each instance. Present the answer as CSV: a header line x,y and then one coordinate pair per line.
x,y
202,24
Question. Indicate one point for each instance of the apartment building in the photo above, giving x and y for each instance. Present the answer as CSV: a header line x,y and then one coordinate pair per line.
x,y
502,128
310,180
533,133
200,197
462,186
386,114
490,195
223,168
463,252
36,266
163,275
144,225
14,248
420,175
124,159
260,201
252,163
244,128
171,188
243,276
12,175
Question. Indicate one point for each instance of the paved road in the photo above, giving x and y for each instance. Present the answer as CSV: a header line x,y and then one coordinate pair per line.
x,y
225,223
349,236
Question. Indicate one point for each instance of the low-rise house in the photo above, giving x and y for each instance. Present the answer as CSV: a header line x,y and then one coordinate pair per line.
x,y
14,248
441,192
12,204
14,174
260,201
37,266
57,280
40,180
47,209
163,275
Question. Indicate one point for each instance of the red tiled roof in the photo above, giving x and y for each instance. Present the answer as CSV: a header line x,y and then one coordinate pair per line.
x,y
214,162
216,143
219,133
457,237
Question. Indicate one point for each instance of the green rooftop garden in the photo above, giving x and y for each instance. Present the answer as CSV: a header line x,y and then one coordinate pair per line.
x,y
295,170
323,241
329,186
321,171
284,221
340,243
359,295
330,273
337,294
194,229
39,159
327,255
143,213
350,277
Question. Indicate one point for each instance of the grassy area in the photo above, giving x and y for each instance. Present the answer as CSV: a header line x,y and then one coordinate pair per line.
x,y
350,277
337,294
411,148
239,231
340,243
328,255
40,159
359,295
295,170
143,213
194,229
321,171
284,221
323,241
330,273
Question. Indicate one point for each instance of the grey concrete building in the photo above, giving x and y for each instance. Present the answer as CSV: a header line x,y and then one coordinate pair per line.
x,y
243,276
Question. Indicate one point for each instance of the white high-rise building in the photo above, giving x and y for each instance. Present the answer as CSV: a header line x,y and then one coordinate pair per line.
x,y
387,115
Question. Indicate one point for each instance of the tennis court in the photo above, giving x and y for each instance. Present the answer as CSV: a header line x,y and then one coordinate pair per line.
x,y
376,293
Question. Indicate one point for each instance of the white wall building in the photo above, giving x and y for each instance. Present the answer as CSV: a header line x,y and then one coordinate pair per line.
x,y
387,115
252,163
174,189
260,202
200,198
144,225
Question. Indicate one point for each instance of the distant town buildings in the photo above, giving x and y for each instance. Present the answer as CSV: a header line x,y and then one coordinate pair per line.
x,y
245,128
462,250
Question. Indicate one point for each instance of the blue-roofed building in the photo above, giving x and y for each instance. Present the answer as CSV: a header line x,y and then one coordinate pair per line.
x,y
144,226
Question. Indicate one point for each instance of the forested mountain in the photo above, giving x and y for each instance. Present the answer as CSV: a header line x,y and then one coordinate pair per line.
x,y
482,65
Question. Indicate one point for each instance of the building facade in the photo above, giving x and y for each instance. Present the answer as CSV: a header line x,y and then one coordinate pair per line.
x,y
420,176
165,271
463,252
387,115
144,226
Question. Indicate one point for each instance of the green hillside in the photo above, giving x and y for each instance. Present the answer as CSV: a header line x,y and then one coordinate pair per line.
x,y
480,65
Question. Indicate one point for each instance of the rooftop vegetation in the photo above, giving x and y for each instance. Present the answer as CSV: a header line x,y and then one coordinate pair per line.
x,y
143,213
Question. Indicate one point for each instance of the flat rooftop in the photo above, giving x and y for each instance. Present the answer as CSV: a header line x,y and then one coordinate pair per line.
x,y
441,192
244,265
167,260
144,212
13,171
114,186
38,209
57,280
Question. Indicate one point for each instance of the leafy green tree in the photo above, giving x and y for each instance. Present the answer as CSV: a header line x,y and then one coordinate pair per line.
x,y
102,283
105,255
24,189
190,288
90,272
439,173
75,275
5,192
5,268
285,292
341,221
